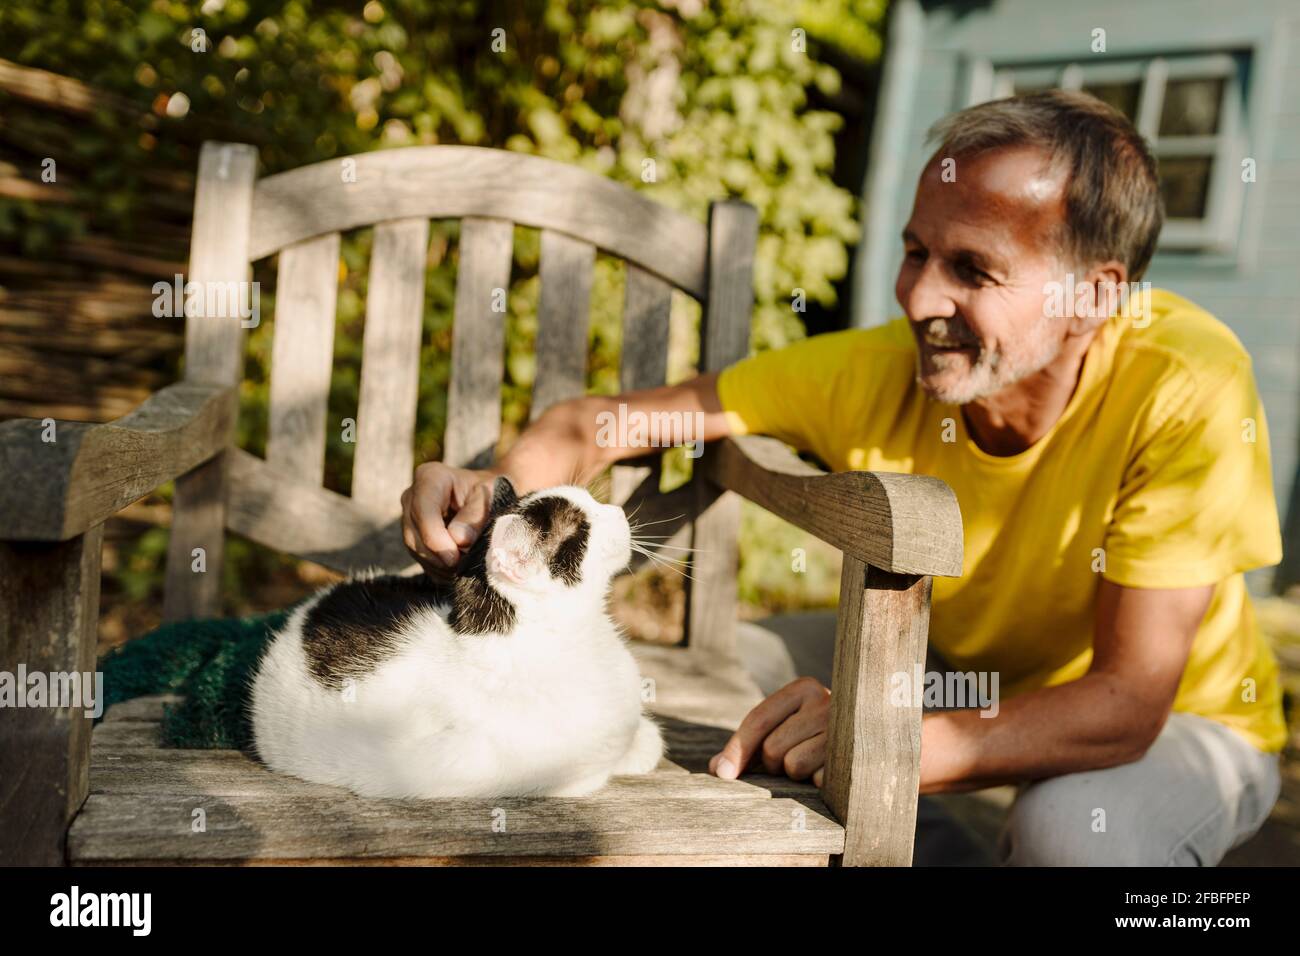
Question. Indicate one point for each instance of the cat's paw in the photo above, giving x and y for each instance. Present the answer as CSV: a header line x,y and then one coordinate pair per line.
x,y
646,751
581,787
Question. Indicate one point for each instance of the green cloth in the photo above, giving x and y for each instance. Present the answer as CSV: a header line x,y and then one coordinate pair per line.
x,y
210,662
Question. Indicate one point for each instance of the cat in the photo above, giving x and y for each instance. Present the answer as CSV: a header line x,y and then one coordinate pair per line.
x,y
510,681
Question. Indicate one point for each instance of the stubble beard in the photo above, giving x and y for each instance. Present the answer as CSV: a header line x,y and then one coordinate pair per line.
x,y
992,370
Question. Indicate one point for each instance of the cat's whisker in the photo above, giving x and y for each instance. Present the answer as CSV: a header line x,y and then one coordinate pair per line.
x,y
667,564
654,554
646,524
663,543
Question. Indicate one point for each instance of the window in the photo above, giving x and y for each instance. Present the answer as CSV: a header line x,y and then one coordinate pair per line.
x,y
1189,110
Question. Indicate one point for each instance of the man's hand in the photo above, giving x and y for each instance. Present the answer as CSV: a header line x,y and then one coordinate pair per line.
x,y
443,512
787,732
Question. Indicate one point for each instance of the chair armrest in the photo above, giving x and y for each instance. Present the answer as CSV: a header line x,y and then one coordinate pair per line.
x,y
55,490
905,524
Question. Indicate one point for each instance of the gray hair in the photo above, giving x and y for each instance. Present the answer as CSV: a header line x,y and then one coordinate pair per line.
x,y
1112,194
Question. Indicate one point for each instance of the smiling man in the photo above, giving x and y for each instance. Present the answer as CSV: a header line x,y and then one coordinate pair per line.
x,y
1112,469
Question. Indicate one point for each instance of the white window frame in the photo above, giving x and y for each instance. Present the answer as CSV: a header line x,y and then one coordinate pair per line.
x,y
1217,231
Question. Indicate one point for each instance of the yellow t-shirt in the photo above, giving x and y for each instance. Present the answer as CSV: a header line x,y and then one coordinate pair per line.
x,y
1156,476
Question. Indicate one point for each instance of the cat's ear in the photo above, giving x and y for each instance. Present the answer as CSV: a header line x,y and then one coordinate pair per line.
x,y
504,497
512,554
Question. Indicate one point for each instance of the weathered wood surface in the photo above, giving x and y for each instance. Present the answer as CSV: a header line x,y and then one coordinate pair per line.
x,y
643,363
275,508
132,826
51,491
906,524
214,355
695,689
478,342
119,769
873,747
565,271
724,339
453,182
390,365
49,613
142,802
302,356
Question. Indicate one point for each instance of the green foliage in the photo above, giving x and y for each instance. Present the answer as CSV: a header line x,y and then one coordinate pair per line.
x,y
710,96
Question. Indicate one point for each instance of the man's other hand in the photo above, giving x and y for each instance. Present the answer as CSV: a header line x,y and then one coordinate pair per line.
x,y
786,733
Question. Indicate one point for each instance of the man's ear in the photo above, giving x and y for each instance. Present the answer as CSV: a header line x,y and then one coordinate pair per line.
x,y
511,555
1098,296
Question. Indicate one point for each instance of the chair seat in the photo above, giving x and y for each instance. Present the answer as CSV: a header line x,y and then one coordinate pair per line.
x,y
143,799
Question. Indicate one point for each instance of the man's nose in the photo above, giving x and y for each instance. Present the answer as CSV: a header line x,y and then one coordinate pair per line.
x,y
928,297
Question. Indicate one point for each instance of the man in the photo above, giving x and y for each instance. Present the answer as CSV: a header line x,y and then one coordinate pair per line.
x,y
1111,464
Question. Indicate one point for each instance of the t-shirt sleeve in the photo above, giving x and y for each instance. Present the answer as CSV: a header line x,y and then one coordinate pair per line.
x,y
787,393
1196,503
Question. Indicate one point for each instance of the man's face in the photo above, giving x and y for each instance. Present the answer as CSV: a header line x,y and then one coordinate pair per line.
x,y
977,253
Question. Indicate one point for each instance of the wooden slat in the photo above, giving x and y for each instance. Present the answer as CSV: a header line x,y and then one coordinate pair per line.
x,y
198,509
115,827
647,305
219,252
455,182
275,508
478,341
724,339
566,273
873,749
126,734
53,490
148,709
49,615
302,356
907,524
390,365
152,772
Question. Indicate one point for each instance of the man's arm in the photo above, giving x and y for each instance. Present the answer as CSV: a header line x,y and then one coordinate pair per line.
x,y
446,507
1109,716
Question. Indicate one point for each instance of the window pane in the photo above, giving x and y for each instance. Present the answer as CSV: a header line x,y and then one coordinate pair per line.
x,y
1185,184
1122,96
1191,108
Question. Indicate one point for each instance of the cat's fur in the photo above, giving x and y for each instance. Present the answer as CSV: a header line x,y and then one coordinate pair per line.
x,y
512,681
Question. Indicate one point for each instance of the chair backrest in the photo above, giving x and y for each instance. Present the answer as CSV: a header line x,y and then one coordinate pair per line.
x,y
300,215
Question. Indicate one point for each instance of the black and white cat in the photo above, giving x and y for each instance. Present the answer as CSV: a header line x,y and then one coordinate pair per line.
x,y
511,681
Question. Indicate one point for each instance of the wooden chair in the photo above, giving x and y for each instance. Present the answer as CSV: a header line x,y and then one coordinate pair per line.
x,y
115,796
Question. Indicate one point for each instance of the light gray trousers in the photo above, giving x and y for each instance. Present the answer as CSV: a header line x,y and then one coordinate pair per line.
x,y
1199,791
